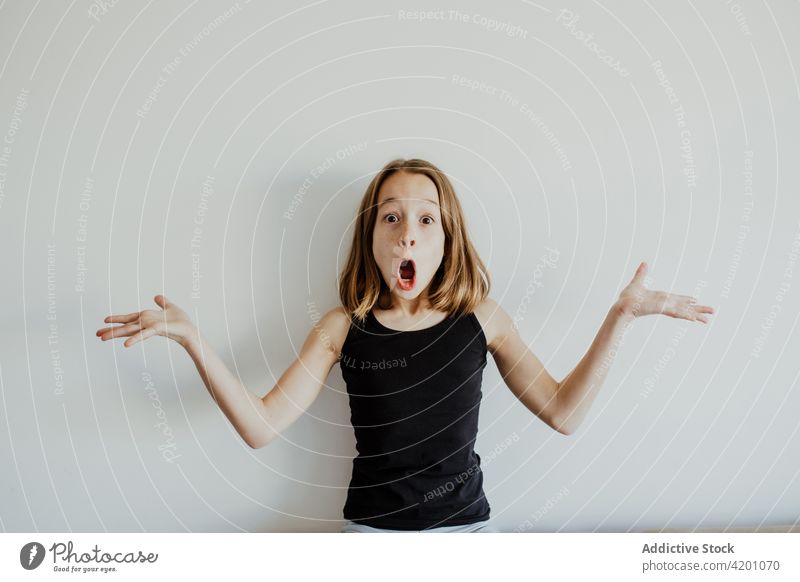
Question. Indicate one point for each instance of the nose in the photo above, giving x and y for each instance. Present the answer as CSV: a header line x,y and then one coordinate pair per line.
x,y
407,240
407,236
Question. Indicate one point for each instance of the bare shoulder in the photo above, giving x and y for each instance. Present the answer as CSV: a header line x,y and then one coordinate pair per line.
x,y
496,323
333,328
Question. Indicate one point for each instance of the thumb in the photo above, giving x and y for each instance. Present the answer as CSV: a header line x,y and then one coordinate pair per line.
x,y
162,301
641,272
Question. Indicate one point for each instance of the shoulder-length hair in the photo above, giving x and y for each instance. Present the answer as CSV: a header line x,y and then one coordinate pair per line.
x,y
460,283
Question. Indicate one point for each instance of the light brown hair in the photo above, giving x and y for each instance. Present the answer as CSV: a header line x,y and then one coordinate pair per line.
x,y
460,283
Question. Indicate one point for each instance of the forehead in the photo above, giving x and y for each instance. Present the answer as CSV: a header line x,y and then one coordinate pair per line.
x,y
408,187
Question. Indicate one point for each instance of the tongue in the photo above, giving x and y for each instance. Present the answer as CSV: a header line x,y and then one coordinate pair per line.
x,y
407,272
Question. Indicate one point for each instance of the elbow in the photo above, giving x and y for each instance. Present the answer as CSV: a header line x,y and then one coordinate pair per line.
x,y
255,445
259,442
564,429
562,425
558,421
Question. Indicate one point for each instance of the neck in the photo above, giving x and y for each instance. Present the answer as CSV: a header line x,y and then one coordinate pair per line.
x,y
406,307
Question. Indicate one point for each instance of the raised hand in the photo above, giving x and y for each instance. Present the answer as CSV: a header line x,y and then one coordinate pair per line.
x,y
171,322
637,300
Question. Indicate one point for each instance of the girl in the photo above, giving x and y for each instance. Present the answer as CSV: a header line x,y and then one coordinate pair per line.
x,y
411,339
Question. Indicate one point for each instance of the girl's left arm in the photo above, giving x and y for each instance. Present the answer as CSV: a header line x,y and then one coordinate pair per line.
x,y
563,405
578,390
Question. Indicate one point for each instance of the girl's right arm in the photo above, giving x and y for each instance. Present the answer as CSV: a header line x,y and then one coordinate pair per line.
x,y
257,420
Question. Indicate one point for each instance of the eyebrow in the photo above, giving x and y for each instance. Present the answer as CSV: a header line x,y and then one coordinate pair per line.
x,y
391,199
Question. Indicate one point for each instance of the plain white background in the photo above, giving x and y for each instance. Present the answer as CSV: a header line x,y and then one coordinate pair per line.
x,y
217,153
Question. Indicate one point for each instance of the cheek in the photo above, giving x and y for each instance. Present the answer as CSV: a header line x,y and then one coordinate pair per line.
x,y
435,249
380,249
377,241
439,241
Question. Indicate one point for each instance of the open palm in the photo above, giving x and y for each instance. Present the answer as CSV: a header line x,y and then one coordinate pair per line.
x,y
171,322
637,300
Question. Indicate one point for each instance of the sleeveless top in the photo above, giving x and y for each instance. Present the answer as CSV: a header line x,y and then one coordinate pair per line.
x,y
414,400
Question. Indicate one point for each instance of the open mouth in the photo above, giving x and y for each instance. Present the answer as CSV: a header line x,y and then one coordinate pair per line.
x,y
407,275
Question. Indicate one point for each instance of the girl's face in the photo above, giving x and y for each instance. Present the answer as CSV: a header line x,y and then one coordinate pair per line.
x,y
408,239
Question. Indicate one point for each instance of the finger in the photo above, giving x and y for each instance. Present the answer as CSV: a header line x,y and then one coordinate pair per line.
x,y
103,330
141,336
697,314
121,331
683,314
162,301
641,272
681,302
122,318
692,301
680,309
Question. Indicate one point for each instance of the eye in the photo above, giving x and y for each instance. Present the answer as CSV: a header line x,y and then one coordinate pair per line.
x,y
431,219
388,215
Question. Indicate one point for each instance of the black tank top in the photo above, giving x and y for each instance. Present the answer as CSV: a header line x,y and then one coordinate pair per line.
x,y
414,400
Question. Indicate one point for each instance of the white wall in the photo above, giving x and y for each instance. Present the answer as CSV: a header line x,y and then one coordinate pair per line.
x,y
696,425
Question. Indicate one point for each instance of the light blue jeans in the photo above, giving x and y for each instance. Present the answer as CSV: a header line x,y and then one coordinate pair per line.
x,y
478,527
